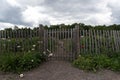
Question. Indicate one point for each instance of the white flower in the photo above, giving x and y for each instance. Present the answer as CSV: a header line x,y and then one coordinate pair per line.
x,y
48,50
33,49
9,40
29,51
18,46
41,41
34,45
38,41
3,38
44,53
79,55
51,54
82,36
21,75
32,60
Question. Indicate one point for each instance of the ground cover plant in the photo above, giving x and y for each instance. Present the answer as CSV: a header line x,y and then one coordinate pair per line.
x,y
10,62
20,54
93,62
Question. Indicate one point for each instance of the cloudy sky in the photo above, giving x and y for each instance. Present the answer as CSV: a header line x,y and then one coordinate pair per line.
x,y
34,12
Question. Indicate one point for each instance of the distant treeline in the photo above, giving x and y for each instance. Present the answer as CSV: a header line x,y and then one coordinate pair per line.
x,y
81,25
28,32
86,27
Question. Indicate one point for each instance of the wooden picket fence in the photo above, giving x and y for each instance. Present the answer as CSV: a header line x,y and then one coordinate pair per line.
x,y
60,44
99,41
63,44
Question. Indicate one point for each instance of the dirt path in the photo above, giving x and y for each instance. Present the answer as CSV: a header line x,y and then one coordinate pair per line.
x,y
61,70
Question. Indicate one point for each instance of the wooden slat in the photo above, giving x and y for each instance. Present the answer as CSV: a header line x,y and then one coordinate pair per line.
x,y
83,41
89,41
107,33
100,42
86,43
111,33
95,34
115,47
118,32
71,45
97,41
92,42
117,41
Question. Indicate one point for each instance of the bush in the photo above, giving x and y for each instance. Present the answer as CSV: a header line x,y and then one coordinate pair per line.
x,y
115,64
96,62
83,63
20,62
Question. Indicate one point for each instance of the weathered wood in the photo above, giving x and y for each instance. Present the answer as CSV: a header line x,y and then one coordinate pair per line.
x,y
65,44
117,40
86,36
118,32
41,36
71,58
76,41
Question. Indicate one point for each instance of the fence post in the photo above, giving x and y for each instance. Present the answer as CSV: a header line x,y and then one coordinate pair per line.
x,y
41,36
76,42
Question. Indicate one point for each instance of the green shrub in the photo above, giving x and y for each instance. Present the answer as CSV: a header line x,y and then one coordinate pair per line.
x,y
115,64
20,62
96,62
83,63
101,61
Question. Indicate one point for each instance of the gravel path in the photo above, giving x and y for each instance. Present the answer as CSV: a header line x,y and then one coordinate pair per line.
x,y
61,70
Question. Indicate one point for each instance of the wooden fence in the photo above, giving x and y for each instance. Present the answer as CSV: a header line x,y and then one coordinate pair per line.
x,y
60,43
99,41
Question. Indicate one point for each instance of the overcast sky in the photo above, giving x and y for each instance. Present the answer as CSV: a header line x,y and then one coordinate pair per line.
x,y
34,12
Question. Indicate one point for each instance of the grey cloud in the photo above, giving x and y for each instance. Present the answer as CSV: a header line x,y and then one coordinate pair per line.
x,y
115,9
10,14
74,10
74,6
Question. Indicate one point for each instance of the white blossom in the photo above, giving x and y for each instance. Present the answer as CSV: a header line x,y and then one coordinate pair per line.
x,y
9,40
33,49
32,60
82,36
21,75
79,55
44,53
3,38
41,41
29,51
18,46
48,50
50,55
34,45
38,41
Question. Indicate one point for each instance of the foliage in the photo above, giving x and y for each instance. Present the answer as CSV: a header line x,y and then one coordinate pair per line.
x,y
19,45
19,62
96,62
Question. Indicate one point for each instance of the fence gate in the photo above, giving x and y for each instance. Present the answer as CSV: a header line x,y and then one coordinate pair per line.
x,y
61,44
